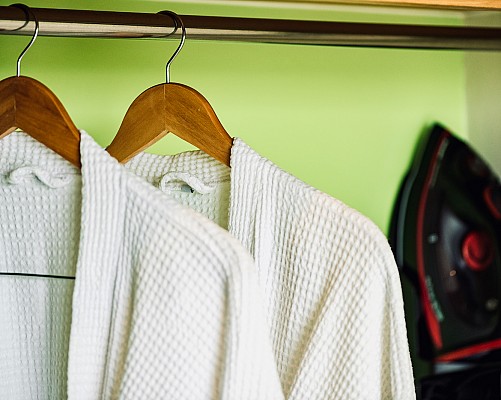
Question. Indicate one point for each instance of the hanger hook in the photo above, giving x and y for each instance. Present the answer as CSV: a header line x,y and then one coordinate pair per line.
x,y
177,21
27,11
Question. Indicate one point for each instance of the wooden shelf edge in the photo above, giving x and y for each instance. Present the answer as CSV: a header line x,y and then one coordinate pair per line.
x,y
463,5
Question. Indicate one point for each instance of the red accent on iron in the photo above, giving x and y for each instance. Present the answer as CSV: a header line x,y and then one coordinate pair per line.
x,y
470,351
488,195
429,314
477,250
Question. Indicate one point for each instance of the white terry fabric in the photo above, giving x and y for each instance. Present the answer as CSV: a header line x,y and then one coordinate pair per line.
x,y
165,304
332,288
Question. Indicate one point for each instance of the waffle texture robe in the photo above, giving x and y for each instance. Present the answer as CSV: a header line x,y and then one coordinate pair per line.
x,y
333,294
165,304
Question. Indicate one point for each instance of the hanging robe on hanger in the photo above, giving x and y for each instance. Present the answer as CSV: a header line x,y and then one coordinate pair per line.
x,y
332,288
165,303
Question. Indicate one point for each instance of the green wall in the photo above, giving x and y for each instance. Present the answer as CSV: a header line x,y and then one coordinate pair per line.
x,y
345,120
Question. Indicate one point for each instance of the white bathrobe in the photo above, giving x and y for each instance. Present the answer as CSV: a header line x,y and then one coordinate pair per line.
x,y
165,304
333,294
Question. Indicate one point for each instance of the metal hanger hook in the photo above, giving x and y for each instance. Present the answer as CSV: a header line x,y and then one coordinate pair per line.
x,y
177,21
27,11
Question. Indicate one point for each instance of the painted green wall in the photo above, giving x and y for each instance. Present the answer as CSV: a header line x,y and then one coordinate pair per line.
x,y
345,120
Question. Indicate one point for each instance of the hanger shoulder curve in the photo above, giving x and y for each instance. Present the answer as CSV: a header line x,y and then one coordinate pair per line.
x,y
27,104
193,119
142,125
175,108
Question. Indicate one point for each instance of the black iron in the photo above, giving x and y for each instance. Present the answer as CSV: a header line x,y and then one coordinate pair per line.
x,y
446,236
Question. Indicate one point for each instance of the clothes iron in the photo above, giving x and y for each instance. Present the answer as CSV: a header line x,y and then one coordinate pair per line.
x,y
446,237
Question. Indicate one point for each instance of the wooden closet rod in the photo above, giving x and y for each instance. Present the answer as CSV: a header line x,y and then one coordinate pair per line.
x,y
110,24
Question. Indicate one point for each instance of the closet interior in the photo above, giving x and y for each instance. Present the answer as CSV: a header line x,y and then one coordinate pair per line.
x,y
419,86
337,94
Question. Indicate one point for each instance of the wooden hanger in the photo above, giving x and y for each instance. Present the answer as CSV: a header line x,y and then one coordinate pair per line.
x,y
27,104
175,108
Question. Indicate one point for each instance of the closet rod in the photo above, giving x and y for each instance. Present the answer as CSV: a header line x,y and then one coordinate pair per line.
x,y
110,24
